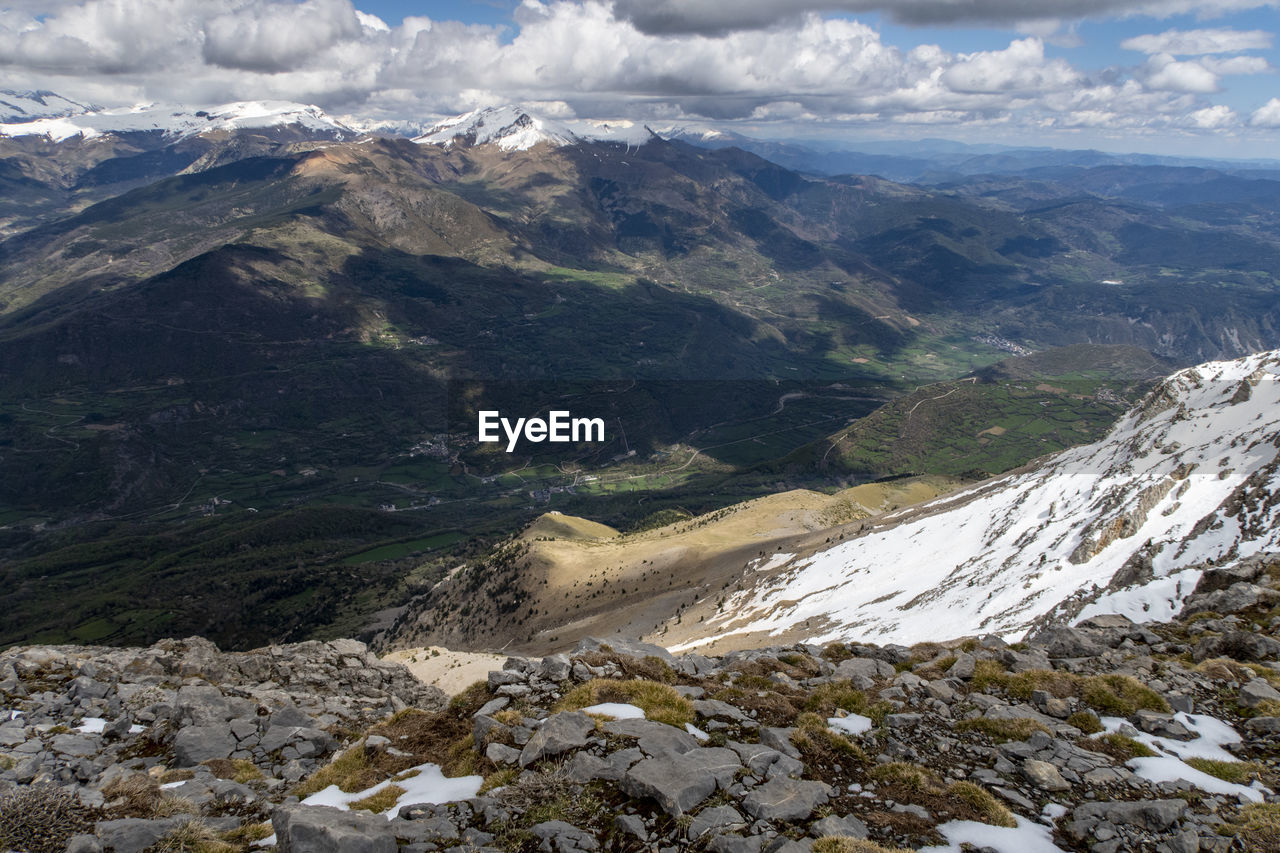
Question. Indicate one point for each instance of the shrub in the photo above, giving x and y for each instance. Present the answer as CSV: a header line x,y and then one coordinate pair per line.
x,y
40,818
539,797
836,652
467,702
1020,685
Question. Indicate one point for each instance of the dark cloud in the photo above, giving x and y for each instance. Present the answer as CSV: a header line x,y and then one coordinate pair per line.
x,y
716,18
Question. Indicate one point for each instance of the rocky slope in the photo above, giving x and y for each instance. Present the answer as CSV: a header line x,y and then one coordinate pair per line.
x,y
1108,736
1188,478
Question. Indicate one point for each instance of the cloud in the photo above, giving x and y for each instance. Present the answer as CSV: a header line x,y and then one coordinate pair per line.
x,y
1211,118
717,18
1164,72
1268,115
580,57
1020,68
1199,42
1235,65
273,36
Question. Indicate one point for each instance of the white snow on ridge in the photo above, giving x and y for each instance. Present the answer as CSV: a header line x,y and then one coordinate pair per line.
x,y
28,106
1191,475
178,122
513,128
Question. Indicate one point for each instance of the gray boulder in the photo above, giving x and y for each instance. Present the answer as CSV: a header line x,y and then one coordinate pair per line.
x,y
133,834
1044,775
785,798
560,837
319,829
1144,814
678,782
1241,645
653,738
195,744
1069,643
864,668
847,826
716,820
1256,692
557,735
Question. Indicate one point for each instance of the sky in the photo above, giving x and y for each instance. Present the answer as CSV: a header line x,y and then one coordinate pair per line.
x,y
1191,77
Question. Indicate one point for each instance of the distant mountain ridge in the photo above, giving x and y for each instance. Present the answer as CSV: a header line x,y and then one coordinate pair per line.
x,y
63,119
513,128
29,106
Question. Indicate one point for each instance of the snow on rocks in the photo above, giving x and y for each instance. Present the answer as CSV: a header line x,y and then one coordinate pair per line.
x,y
1188,477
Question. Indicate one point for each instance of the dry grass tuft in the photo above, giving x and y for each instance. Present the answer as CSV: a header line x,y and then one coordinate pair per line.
x,y
981,800
379,802
660,702
840,844
1000,731
1258,827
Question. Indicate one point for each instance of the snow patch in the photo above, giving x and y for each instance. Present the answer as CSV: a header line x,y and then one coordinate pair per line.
x,y
617,710
1026,837
1212,735
1169,486
854,724
429,785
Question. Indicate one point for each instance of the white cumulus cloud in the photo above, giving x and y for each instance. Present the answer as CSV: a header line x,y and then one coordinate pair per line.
x,y
587,58
1199,42
1268,115
1164,72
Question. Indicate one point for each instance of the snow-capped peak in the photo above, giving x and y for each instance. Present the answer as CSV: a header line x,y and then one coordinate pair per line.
x,y
29,106
1125,525
177,122
510,127
513,128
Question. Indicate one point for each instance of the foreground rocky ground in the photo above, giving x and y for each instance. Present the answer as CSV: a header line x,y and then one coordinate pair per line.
x,y
1110,736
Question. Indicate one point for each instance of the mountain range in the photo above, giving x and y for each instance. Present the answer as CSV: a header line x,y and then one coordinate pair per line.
x,y
255,330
